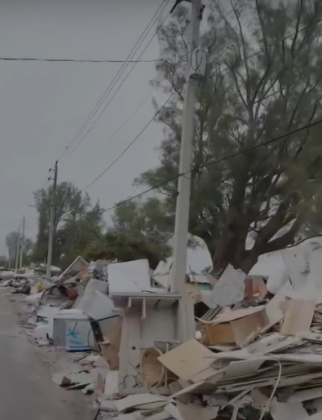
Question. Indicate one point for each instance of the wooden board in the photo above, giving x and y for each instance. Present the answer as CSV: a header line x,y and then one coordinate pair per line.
x,y
298,317
219,334
187,359
237,330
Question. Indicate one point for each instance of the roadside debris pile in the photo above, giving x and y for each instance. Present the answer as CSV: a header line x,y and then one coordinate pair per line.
x,y
66,311
258,357
251,355
28,281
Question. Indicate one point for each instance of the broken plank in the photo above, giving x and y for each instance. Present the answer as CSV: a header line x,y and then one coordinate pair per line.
x,y
298,316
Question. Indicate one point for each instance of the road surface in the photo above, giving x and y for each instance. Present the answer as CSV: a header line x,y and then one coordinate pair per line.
x,y
27,391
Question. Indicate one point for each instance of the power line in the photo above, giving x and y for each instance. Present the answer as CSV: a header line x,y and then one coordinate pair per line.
x,y
132,142
224,158
117,76
129,117
227,157
252,55
117,90
75,60
115,79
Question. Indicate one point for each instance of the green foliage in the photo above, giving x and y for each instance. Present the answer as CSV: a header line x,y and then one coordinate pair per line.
x,y
77,222
128,246
149,219
79,229
263,80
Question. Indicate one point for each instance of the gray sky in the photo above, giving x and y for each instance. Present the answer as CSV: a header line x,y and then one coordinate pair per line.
x,y
43,105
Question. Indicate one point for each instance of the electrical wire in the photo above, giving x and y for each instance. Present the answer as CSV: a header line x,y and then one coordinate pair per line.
x,y
227,157
109,167
129,117
128,60
116,77
129,145
115,93
125,122
75,60
224,158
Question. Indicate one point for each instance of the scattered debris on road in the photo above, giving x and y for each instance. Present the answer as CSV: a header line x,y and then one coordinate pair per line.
x,y
257,356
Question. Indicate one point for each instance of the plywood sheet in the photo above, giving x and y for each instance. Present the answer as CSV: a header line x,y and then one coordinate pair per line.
x,y
187,359
246,327
230,315
219,334
238,330
298,317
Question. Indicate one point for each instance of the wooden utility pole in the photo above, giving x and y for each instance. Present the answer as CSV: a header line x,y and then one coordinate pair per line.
x,y
22,242
17,249
52,223
179,258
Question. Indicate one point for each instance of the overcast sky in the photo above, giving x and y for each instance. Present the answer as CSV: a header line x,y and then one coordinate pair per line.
x,y
43,105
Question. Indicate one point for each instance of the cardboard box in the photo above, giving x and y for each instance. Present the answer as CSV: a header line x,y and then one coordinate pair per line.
x,y
235,327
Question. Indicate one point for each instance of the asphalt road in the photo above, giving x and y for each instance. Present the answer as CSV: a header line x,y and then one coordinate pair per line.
x,y
26,389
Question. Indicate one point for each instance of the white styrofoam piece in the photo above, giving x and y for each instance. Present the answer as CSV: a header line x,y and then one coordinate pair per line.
x,y
94,302
229,289
132,276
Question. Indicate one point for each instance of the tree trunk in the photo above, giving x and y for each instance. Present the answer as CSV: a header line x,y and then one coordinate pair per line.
x,y
232,251
245,264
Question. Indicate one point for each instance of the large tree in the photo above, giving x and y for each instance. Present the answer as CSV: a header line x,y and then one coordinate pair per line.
x,y
263,80
79,229
137,232
149,218
127,245
76,221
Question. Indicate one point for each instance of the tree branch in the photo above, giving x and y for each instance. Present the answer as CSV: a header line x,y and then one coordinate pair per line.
x,y
284,240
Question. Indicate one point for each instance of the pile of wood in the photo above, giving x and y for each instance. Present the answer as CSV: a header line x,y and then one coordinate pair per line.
x,y
256,363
